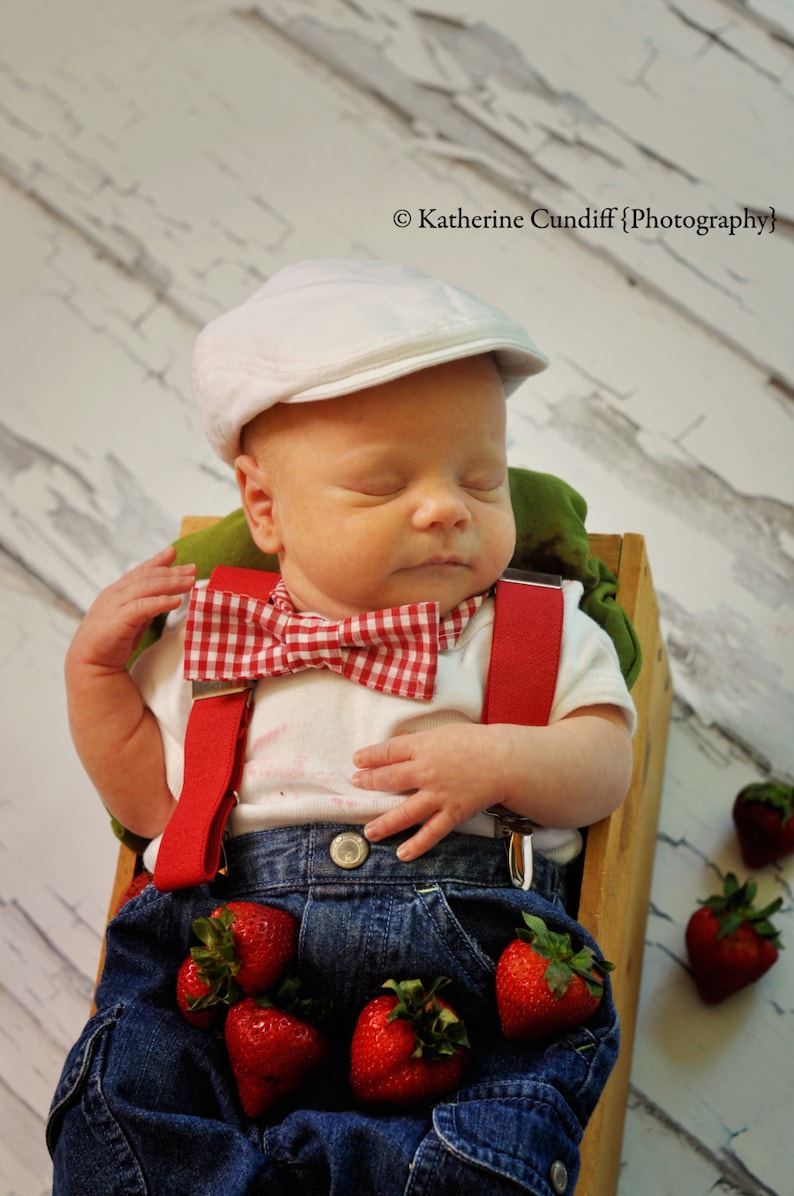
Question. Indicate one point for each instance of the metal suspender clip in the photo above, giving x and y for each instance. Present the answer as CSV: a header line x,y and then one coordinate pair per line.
x,y
525,577
518,832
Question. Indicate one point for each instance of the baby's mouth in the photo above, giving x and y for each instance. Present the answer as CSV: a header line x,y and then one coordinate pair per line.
x,y
437,562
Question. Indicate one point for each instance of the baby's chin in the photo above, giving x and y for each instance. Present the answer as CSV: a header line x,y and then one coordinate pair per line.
x,y
449,584
446,585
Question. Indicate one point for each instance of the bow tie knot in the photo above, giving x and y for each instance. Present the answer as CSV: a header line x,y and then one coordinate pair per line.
x,y
394,650
231,636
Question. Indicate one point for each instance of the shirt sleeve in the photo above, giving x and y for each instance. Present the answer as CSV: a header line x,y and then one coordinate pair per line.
x,y
589,672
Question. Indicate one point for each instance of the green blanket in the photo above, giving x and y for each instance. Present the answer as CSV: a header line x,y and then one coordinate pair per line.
x,y
551,538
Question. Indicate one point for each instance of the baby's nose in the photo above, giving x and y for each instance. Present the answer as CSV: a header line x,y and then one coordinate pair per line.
x,y
442,504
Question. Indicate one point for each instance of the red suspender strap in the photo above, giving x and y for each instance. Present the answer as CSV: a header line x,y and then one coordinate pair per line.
x,y
190,852
522,678
525,655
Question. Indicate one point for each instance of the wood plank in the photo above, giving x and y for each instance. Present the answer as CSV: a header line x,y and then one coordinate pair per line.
x,y
120,249
25,1167
618,865
139,194
710,1074
55,872
606,548
574,134
196,523
128,865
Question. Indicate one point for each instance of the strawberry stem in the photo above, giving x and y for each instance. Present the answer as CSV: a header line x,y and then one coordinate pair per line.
x,y
734,908
438,1031
217,961
565,961
289,998
768,793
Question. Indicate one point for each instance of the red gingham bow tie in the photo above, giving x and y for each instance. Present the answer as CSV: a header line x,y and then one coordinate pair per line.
x,y
232,636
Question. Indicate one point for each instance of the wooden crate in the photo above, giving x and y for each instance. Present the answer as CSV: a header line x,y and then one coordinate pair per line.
x,y
618,860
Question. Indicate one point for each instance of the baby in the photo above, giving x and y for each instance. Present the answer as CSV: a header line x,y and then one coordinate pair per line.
x,y
362,406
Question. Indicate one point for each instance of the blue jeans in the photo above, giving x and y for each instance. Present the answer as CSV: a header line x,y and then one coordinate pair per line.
x,y
147,1103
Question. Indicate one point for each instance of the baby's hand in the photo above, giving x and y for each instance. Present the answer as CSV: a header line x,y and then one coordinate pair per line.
x,y
117,619
451,772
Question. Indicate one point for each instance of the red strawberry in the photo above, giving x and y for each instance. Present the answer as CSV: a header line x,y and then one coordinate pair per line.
x,y
762,814
265,940
135,887
272,1048
247,948
544,985
409,1047
730,943
195,998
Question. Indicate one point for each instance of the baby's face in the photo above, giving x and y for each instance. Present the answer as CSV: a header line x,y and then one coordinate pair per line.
x,y
390,495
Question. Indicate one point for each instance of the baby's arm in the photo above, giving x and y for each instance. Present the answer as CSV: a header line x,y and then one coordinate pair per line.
x,y
116,736
568,774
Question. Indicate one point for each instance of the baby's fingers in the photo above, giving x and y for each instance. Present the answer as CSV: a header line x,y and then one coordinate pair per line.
x,y
388,766
121,613
159,575
166,556
156,585
433,825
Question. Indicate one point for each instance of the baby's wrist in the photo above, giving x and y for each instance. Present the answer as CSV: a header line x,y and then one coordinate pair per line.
x,y
510,767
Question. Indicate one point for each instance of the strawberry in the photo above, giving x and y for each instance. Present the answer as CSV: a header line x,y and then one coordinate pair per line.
x,y
544,985
762,814
730,943
409,1047
195,998
247,948
272,1046
136,886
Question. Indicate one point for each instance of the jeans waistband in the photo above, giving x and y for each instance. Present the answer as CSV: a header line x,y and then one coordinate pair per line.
x,y
297,856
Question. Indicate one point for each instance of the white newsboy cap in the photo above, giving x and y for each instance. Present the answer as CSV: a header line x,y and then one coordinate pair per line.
x,y
327,327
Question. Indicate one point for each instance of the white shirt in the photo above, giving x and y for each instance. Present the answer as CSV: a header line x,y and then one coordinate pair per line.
x,y
305,726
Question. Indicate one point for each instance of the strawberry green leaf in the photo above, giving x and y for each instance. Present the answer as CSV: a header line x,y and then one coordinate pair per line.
x,y
290,997
216,960
565,960
734,908
768,793
438,1031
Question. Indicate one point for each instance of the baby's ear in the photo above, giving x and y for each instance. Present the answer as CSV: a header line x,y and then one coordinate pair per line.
x,y
258,505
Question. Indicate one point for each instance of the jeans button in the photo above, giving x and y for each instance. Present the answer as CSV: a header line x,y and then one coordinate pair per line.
x,y
558,1174
349,849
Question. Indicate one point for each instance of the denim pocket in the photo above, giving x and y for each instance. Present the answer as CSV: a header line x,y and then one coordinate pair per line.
x,y
94,1158
476,923
78,1068
474,926
461,919
520,1131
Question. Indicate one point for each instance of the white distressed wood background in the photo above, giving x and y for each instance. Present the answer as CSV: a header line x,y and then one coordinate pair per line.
x,y
158,161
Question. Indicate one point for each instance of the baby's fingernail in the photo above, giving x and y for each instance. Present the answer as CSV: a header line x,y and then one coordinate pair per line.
x,y
404,852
